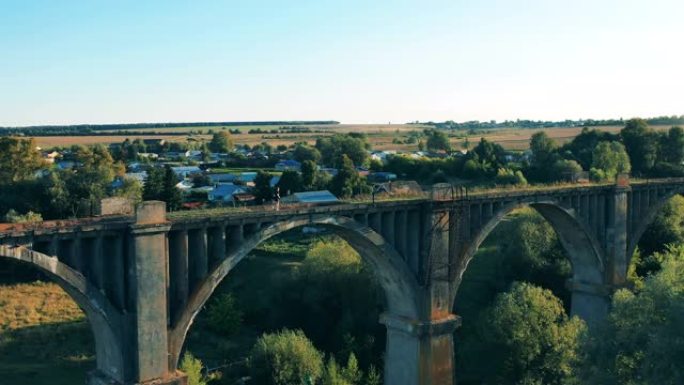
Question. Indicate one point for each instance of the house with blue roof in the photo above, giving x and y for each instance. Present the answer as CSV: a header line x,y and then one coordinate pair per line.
x,y
224,193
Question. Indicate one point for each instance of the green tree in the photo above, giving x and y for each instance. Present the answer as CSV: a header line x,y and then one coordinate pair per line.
x,y
131,189
309,171
373,377
533,253
641,342
192,367
154,185
543,149
170,193
290,182
608,160
347,182
303,152
666,229
581,147
333,374
224,316
564,168
641,143
527,339
206,152
285,358
262,187
672,146
79,191
351,372
221,142
353,146
437,140
19,159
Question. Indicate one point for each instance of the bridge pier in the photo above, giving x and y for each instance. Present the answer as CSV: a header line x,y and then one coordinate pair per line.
x,y
144,326
419,353
590,302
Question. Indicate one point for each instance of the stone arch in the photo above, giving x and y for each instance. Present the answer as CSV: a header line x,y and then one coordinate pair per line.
x,y
641,226
582,248
399,285
104,320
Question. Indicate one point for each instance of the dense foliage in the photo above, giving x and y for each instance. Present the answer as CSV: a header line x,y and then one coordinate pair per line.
x,y
642,341
285,358
526,337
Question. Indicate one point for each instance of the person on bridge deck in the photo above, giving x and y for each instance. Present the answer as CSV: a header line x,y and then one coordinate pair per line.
x,y
276,199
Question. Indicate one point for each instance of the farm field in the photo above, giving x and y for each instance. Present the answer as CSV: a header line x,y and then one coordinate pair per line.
x,y
44,336
381,137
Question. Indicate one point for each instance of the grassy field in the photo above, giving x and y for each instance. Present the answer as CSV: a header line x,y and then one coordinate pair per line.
x,y
381,136
44,336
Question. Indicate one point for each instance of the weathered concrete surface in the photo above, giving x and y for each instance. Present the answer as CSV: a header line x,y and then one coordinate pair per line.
x,y
116,206
148,292
142,279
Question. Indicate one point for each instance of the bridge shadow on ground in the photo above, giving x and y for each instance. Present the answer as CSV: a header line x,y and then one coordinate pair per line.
x,y
44,337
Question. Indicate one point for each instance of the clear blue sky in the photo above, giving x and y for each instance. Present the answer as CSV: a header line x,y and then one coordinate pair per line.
x,y
95,61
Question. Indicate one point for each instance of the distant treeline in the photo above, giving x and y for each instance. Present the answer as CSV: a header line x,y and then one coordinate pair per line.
x,y
91,129
475,124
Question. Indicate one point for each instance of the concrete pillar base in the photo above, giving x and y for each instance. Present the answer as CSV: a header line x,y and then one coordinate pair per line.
x,y
97,378
419,352
590,302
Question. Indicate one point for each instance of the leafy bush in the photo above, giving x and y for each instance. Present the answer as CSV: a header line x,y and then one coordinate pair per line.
x,y
506,176
285,358
641,342
192,367
527,339
224,316
30,217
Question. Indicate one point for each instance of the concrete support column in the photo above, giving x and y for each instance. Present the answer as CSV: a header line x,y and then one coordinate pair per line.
x,y
413,234
198,255
401,219
147,350
67,252
375,222
439,302
419,352
115,279
217,248
388,227
617,259
234,237
97,262
53,246
179,280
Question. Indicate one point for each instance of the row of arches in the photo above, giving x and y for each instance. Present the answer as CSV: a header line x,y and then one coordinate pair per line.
x,y
399,284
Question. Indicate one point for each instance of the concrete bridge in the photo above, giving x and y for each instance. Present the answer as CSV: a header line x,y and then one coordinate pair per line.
x,y
142,279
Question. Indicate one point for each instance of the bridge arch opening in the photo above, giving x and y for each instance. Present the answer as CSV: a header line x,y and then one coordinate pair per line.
x,y
539,243
107,350
660,227
395,283
579,247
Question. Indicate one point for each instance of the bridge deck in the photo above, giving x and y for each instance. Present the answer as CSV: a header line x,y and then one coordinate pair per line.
x,y
448,197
